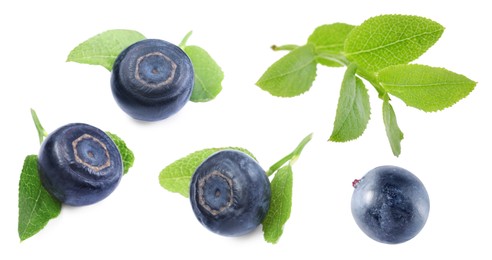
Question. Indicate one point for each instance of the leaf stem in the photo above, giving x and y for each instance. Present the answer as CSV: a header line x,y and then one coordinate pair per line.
x,y
291,157
300,147
41,132
287,47
371,77
342,60
334,57
182,44
279,164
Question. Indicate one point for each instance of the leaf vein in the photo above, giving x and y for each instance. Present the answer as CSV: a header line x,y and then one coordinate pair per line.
x,y
32,212
392,43
288,72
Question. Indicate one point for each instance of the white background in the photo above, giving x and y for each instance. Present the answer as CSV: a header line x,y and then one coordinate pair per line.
x,y
449,150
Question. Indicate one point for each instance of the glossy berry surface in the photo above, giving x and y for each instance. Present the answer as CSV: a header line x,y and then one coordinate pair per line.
x,y
390,204
230,193
79,164
152,79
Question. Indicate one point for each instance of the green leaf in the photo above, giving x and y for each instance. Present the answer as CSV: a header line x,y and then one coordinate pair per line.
x,y
387,40
208,75
291,75
103,48
423,87
127,155
281,199
36,205
176,177
353,111
280,204
395,135
329,39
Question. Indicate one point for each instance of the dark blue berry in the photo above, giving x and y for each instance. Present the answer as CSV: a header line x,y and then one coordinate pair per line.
x,y
79,164
152,79
390,204
230,193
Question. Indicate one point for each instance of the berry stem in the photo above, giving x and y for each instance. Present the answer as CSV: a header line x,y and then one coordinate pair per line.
x,y
41,132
